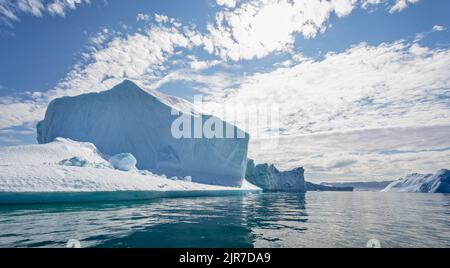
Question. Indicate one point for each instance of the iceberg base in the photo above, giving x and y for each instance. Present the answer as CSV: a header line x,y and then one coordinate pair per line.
x,y
14,198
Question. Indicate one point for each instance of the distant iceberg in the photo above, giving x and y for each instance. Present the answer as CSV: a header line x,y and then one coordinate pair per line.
x,y
269,178
70,171
420,183
373,186
128,119
327,188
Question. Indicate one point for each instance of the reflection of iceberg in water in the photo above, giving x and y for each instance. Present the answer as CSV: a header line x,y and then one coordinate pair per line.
x,y
330,219
230,221
180,222
199,222
244,221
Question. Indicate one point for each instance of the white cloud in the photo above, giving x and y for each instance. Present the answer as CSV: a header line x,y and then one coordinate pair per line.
x,y
141,57
100,38
418,50
16,111
59,7
142,17
360,155
259,27
161,18
201,65
7,11
401,4
392,5
438,28
211,82
227,3
10,9
393,84
34,7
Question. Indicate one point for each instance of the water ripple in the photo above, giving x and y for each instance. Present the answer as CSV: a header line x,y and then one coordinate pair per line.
x,y
325,219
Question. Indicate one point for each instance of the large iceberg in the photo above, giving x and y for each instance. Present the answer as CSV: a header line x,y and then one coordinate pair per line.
x,y
420,183
269,178
68,171
128,119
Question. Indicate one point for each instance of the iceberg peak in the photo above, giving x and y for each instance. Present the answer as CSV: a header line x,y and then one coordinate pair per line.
x,y
127,86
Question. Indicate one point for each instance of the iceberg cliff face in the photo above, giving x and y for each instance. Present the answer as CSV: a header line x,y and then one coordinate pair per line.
x,y
419,183
128,119
269,178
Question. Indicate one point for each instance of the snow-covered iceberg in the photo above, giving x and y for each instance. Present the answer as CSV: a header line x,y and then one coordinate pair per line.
x,y
128,119
269,178
420,183
70,171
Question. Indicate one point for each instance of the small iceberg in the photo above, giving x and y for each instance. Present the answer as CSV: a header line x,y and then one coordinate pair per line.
x,y
269,178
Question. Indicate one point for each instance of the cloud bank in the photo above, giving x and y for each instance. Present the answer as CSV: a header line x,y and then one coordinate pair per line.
x,y
360,155
393,84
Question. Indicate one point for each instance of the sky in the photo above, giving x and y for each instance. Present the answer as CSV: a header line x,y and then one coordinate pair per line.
x,y
361,87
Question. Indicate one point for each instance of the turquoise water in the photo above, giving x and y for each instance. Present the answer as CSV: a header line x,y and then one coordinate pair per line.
x,y
316,219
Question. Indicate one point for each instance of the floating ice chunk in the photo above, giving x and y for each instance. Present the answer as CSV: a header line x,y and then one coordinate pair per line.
x,y
124,162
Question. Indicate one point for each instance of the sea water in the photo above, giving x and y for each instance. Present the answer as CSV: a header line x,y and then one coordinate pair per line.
x,y
314,219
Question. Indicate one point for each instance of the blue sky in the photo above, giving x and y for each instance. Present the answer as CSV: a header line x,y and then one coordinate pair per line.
x,y
360,67
46,47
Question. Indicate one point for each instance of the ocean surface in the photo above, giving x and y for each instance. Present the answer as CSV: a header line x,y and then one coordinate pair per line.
x,y
314,219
